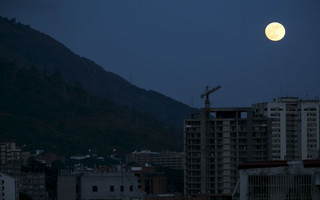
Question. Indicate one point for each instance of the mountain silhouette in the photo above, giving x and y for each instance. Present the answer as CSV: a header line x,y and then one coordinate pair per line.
x,y
26,46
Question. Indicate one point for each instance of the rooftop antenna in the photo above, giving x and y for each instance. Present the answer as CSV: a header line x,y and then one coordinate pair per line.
x,y
206,94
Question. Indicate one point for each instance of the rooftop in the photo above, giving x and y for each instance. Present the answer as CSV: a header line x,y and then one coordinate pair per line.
x,y
279,163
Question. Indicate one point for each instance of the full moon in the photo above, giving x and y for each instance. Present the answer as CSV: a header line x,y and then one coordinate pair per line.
x,y
275,31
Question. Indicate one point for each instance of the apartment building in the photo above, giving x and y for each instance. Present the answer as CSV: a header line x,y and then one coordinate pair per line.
x,y
170,159
9,152
10,158
295,127
215,144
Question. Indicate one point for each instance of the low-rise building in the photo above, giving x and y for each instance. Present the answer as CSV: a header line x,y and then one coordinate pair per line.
x,y
33,185
170,159
118,184
173,160
150,181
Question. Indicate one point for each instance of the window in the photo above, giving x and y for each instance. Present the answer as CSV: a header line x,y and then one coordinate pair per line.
x,y
243,115
111,188
94,188
131,188
121,188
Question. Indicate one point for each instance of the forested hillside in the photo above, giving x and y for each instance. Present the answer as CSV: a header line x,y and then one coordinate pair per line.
x,y
26,46
45,112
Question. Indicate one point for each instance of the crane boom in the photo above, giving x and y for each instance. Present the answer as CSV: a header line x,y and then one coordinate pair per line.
x,y
207,93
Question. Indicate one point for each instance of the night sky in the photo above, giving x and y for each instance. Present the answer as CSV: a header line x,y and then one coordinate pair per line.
x,y
177,47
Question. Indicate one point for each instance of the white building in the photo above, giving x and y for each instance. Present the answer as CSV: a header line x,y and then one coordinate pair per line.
x,y
108,185
279,180
295,127
8,188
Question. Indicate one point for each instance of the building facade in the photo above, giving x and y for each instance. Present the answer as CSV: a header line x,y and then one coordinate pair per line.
x,y
9,152
10,157
8,188
279,180
33,185
150,181
295,127
215,144
173,160
90,185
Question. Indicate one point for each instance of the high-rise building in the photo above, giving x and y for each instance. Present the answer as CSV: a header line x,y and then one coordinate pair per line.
x,y
215,144
295,127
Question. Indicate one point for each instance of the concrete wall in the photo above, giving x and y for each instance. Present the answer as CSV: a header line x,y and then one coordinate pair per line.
x,y
99,186
66,187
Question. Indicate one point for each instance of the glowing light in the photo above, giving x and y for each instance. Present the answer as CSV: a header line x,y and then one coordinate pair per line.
x,y
275,31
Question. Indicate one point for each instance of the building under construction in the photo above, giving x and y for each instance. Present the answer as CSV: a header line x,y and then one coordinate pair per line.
x,y
215,143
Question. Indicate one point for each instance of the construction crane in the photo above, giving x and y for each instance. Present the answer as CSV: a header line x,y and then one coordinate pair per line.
x,y
206,94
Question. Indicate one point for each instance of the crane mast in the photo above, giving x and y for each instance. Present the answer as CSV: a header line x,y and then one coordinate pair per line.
x,y
207,93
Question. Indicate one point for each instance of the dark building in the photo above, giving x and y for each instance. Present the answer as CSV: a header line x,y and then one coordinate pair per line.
x,y
173,160
150,181
215,144
33,185
10,157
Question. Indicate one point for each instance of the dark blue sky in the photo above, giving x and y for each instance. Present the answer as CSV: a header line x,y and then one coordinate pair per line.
x,y
177,47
